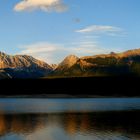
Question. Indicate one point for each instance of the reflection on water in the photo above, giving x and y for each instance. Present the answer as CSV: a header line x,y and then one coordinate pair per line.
x,y
67,126
93,125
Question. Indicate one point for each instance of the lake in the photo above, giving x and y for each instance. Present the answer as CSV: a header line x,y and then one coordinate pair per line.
x,y
70,119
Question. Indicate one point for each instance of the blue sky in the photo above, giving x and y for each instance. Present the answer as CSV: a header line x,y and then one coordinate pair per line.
x,y
52,29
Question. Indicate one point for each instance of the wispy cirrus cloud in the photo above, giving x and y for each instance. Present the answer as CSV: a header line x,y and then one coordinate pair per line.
x,y
101,29
45,5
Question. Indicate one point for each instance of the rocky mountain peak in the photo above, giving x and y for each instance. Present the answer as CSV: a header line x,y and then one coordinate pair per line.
x,y
69,61
19,61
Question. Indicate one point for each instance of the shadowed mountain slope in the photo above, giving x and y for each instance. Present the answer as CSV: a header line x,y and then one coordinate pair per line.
x,y
113,64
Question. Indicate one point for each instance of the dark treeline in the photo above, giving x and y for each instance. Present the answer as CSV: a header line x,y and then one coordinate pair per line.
x,y
72,87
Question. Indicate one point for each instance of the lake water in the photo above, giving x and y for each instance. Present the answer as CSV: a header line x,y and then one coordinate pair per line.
x,y
70,119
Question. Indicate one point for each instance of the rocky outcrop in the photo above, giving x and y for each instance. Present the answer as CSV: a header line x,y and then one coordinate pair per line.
x,y
54,66
4,75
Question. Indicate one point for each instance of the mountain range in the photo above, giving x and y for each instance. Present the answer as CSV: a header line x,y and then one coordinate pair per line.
x,y
22,66
113,64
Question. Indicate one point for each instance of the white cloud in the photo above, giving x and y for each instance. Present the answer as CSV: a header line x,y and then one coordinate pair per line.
x,y
43,51
54,53
45,5
99,29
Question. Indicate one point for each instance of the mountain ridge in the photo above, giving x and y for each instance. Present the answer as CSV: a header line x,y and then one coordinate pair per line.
x,y
112,64
14,61
23,66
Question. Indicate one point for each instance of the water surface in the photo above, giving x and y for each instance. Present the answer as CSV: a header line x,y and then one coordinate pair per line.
x,y
70,119
24,105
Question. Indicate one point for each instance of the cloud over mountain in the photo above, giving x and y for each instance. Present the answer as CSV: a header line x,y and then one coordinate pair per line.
x,y
54,53
45,5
